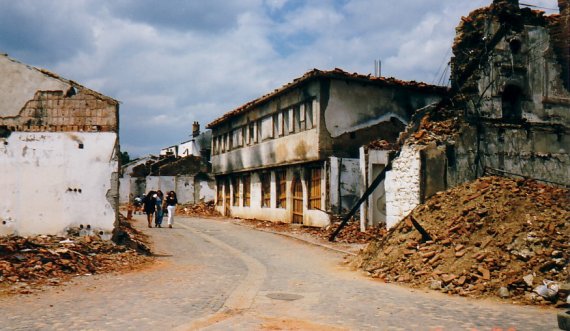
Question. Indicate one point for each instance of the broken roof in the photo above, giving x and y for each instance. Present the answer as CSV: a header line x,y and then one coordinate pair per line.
x,y
63,80
315,73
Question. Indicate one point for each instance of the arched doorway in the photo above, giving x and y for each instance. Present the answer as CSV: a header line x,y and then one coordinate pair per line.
x,y
297,194
512,103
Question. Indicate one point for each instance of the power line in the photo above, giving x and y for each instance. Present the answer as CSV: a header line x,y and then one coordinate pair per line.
x,y
534,6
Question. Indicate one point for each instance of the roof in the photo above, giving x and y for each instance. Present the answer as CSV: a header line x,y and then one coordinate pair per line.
x,y
61,79
315,73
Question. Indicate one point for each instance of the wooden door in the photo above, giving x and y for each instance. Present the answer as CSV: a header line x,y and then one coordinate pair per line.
x,y
227,198
297,194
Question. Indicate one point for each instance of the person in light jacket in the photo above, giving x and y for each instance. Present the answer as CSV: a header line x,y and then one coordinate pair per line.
x,y
171,201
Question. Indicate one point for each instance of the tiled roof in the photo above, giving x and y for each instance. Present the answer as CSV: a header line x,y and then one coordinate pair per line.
x,y
315,73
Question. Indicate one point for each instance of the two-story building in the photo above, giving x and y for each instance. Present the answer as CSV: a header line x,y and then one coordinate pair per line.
x,y
292,155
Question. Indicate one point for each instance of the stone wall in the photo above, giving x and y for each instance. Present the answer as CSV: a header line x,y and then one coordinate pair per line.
x,y
402,185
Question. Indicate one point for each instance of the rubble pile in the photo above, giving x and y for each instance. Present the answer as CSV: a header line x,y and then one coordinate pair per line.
x,y
198,209
438,127
350,234
28,264
491,237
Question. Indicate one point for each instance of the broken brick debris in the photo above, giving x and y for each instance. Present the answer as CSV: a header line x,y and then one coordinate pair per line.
x,y
198,209
29,263
488,234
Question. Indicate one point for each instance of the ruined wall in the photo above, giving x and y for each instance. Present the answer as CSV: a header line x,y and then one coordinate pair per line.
x,y
59,147
357,114
344,182
518,109
402,185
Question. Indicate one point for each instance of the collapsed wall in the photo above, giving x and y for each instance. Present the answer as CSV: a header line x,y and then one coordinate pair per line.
x,y
59,147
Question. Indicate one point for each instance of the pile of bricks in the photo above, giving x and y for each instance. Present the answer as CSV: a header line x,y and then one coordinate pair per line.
x,y
492,237
198,209
28,264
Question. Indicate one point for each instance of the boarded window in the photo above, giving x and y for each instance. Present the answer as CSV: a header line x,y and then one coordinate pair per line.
x,y
281,181
315,192
220,192
246,180
266,128
237,138
265,189
251,136
235,187
309,114
296,119
286,122
302,119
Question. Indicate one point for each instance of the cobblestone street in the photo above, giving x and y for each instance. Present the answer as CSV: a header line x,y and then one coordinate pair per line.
x,y
215,275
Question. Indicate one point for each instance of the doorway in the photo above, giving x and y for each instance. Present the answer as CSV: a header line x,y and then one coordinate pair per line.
x,y
297,187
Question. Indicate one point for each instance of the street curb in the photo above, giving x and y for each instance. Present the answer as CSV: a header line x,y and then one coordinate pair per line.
x,y
284,234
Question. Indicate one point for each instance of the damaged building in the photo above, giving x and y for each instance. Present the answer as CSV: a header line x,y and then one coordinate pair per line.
x,y
59,148
508,113
293,154
184,168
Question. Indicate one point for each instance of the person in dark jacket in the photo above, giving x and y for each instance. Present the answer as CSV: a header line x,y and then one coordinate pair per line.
x,y
149,206
171,201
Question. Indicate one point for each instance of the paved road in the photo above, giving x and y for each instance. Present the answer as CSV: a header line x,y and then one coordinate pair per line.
x,y
215,275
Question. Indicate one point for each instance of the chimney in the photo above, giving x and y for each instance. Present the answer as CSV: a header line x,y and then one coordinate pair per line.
x,y
195,129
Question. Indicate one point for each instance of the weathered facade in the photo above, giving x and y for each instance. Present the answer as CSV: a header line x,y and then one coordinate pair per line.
x,y
59,150
509,113
292,155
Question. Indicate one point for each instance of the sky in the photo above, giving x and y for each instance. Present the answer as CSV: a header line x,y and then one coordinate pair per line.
x,y
173,62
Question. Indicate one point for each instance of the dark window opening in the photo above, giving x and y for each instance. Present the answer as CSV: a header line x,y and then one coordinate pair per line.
x,y
512,103
515,45
4,131
81,146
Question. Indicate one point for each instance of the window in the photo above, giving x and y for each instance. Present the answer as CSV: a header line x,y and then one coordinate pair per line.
x,y
281,181
235,187
237,138
246,179
251,134
266,128
243,135
286,122
309,114
275,125
315,191
296,119
220,192
302,119
265,189
259,131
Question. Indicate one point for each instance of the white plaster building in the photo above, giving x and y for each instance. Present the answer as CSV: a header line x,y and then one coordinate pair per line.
x,y
59,150
292,155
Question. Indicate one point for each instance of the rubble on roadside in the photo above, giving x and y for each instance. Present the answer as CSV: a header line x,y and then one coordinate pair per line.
x,y
198,209
29,263
494,237
350,234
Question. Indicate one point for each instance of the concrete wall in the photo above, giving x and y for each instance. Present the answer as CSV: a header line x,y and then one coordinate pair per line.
x,y
50,184
357,114
344,183
189,189
294,148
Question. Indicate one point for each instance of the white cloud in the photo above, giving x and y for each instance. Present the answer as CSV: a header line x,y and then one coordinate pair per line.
x,y
174,62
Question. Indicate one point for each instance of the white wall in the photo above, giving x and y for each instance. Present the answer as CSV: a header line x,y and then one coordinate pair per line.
x,y
42,175
403,185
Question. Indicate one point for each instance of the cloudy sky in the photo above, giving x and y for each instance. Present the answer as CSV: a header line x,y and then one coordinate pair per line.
x,y
172,62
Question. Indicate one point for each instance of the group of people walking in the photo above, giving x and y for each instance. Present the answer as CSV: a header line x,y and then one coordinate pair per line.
x,y
155,204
